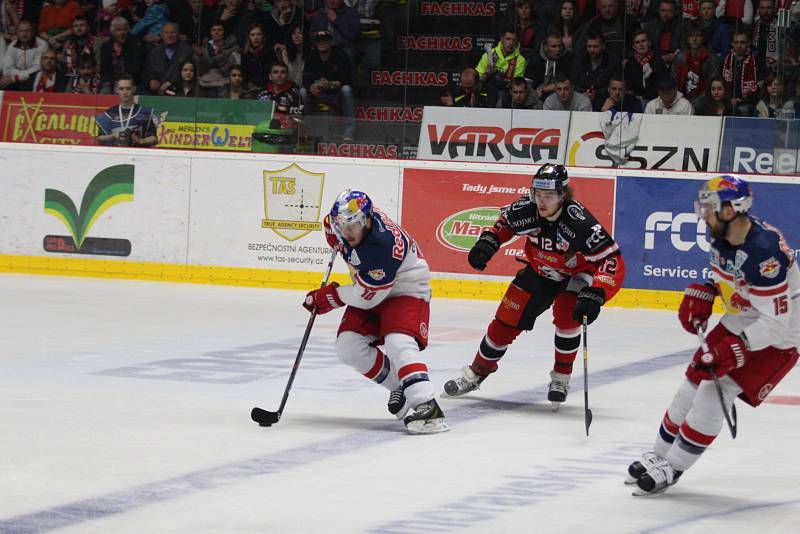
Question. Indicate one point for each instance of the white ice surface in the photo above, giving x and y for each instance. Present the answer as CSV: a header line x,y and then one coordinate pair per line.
x,y
124,407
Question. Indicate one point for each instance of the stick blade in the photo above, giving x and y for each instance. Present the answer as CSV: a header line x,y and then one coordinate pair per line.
x,y
263,417
588,420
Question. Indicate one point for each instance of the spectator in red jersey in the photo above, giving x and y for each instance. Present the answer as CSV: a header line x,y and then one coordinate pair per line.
x,y
695,65
55,22
667,32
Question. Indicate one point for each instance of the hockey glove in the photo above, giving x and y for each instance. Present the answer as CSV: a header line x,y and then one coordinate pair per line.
x,y
330,235
590,299
726,355
483,250
696,306
325,299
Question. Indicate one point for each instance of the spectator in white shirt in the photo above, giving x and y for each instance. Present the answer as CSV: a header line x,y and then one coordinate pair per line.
x,y
670,101
22,58
565,98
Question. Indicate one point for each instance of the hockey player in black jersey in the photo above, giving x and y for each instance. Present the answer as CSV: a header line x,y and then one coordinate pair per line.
x,y
574,266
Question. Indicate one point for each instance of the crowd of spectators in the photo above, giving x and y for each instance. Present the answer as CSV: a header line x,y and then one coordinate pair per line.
x,y
704,57
672,57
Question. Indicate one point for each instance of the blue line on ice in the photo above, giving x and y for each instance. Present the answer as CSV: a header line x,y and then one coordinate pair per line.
x,y
126,500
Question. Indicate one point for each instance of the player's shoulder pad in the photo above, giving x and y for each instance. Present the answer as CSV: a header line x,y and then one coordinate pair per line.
x,y
765,262
575,211
522,208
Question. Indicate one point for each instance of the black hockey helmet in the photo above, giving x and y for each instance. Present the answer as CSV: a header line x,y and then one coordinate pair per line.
x,y
550,177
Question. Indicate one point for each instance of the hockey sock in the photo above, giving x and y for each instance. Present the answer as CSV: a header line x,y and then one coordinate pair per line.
x,y
412,374
493,346
688,447
380,369
702,424
355,350
566,348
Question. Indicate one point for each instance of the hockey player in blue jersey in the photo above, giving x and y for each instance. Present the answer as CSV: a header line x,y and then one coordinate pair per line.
x,y
753,346
388,305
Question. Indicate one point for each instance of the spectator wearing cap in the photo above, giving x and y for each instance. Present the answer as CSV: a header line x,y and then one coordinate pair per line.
x,y
564,98
342,22
695,65
670,101
327,80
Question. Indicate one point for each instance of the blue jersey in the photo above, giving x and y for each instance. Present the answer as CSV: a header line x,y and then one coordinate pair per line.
x,y
118,119
387,263
758,282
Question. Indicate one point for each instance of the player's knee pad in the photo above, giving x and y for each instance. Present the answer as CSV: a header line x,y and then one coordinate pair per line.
x,y
516,308
354,350
563,307
682,401
705,416
501,334
401,348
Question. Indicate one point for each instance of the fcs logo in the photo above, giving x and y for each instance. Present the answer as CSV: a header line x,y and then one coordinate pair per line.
x,y
661,221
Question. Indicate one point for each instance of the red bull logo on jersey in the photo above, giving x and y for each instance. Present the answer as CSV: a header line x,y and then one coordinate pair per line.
x,y
769,268
376,274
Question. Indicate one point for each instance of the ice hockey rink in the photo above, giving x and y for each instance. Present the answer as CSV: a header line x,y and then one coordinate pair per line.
x,y
125,408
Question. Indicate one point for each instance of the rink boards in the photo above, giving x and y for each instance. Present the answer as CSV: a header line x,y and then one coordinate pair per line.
x,y
255,219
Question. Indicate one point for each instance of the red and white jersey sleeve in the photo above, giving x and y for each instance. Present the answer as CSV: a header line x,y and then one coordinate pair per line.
x,y
759,284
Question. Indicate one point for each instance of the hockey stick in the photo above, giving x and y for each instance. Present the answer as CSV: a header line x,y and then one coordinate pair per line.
x,y
587,411
265,417
732,424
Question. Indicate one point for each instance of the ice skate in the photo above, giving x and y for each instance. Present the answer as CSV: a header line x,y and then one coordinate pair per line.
x,y
426,418
397,402
657,479
558,388
467,382
638,468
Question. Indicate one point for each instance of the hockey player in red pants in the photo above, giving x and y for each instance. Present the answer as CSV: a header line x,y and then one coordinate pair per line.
x,y
755,274
387,305
574,266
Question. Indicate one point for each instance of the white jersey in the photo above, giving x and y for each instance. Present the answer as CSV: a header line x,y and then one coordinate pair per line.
x,y
387,263
759,284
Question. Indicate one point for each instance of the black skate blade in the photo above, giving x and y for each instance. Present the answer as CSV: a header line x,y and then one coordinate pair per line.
x,y
263,417
588,420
